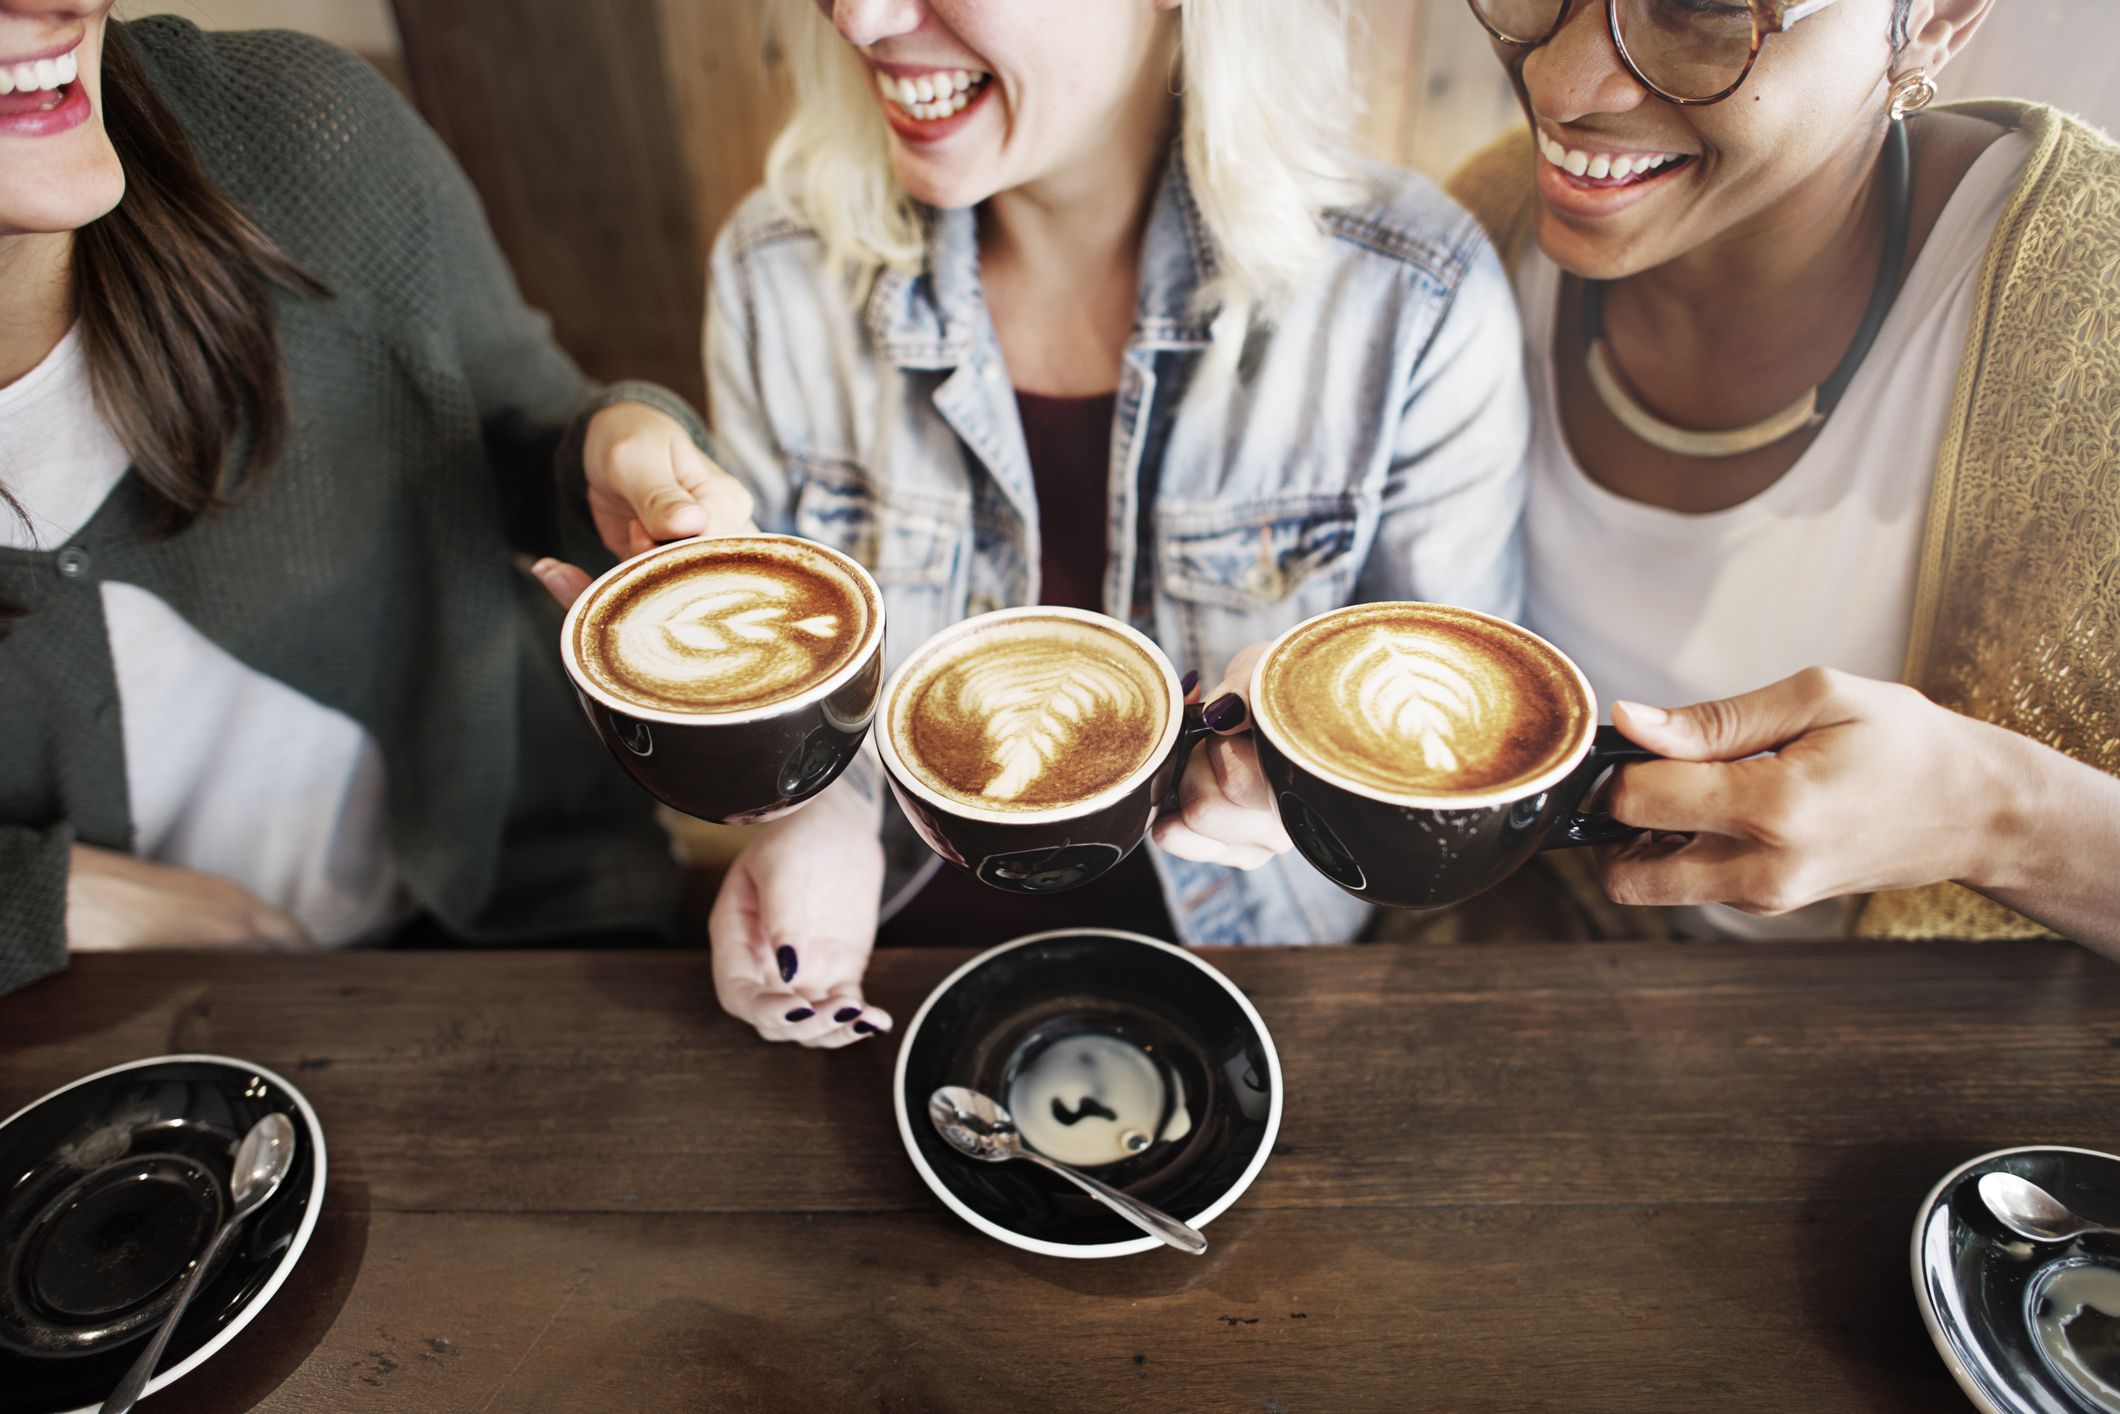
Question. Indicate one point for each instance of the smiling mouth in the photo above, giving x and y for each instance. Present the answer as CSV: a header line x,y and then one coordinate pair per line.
x,y
38,86
934,96
1609,169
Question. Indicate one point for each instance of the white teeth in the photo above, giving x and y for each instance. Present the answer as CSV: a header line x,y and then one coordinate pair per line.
x,y
1599,166
42,74
929,97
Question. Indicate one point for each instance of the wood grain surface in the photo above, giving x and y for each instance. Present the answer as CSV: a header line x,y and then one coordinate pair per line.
x,y
1610,1177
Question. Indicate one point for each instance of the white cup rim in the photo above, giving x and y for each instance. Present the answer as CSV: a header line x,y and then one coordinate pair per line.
x,y
1506,794
905,780
815,692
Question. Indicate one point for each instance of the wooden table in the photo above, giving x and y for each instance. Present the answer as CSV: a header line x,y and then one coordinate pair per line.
x,y
1596,1177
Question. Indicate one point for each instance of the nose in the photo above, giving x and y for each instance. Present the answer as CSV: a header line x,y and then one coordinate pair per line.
x,y
867,22
1578,72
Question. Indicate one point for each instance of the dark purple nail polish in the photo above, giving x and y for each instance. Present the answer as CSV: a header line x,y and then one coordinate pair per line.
x,y
1225,713
863,1028
1187,683
801,1013
846,1013
785,956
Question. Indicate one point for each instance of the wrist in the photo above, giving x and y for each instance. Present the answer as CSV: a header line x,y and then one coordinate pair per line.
x,y
2001,829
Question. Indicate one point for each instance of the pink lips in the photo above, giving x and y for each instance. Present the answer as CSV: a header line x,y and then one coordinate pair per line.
x,y
35,114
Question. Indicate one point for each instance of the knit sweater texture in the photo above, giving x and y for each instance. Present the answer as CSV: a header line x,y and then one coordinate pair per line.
x,y
435,425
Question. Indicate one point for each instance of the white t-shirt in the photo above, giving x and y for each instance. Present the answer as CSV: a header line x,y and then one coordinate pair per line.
x,y
229,772
1670,608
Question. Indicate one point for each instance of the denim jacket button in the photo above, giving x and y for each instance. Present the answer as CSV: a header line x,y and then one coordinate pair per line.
x,y
1264,580
982,603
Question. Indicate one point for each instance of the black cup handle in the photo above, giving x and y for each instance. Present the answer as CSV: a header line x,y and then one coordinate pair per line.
x,y
1192,730
1576,827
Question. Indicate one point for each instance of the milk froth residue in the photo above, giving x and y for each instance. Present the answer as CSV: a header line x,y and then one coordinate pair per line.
x,y
1423,699
1029,713
733,624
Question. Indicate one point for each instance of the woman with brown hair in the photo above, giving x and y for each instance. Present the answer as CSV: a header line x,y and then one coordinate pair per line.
x,y
272,418
1824,405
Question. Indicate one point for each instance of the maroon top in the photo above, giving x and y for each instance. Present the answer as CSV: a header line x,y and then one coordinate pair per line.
x,y
1069,441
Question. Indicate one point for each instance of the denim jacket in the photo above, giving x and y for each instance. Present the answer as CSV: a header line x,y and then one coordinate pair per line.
x,y
1368,444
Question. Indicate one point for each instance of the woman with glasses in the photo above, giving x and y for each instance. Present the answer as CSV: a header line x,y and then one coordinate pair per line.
x,y
1827,445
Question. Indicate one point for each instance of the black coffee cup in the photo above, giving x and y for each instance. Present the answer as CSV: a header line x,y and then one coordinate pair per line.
x,y
1410,852
740,767
1045,851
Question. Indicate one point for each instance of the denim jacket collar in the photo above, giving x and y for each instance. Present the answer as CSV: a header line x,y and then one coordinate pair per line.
x,y
933,318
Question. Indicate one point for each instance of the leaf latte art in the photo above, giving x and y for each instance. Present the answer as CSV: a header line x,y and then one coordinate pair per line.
x,y
1417,695
1035,709
1029,713
1422,700
723,628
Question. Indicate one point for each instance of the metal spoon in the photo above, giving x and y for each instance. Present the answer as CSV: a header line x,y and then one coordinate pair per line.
x,y
262,1161
2033,1213
977,1126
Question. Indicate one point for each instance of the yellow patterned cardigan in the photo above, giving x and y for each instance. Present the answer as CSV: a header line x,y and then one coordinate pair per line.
x,y
2017,605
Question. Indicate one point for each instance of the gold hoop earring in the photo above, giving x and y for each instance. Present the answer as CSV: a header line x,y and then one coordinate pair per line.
x,y
1910,94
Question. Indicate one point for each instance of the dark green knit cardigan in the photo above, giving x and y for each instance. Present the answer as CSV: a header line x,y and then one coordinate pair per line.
x,y
372,571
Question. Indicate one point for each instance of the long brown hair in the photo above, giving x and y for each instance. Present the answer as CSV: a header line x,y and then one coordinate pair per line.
x,y
174,293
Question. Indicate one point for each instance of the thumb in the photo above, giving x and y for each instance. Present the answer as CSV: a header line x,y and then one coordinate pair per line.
x,y
1730,728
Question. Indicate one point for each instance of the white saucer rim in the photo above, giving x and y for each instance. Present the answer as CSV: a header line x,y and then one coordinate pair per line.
x,y
1127,1248
310,1213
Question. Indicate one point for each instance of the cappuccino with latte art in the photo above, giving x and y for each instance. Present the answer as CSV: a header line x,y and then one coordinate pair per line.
x,y
1028,712
1423,701
723,625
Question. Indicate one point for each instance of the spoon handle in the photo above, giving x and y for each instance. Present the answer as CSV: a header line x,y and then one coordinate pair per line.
x,y
1150,1220
134,1384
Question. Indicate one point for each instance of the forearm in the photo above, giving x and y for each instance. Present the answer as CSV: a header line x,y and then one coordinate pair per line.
x,y
33,873
2054,842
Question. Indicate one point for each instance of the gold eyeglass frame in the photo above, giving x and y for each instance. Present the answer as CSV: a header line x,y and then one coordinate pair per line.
x,y
1768,17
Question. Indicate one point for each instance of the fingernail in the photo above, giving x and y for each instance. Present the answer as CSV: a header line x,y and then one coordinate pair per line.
x,y
801,1013
1225,713
1187,683
785,956
846,1013
687,518
544,567
864,1028
1641,712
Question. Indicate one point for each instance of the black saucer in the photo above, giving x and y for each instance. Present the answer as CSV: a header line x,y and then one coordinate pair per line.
x,y
108,1189
985,1017
1983,1291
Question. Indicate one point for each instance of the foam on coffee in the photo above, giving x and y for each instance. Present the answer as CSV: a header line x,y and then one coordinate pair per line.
x,y
1029,713
1422,700
723,625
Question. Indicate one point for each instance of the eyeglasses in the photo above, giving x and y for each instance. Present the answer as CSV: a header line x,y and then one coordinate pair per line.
x,y
1683,51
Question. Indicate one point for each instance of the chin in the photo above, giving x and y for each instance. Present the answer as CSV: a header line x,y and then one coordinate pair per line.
x,y
936,186
1606,256
67,203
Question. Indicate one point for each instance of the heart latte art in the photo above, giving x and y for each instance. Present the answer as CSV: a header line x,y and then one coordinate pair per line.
x,y
1422,700
1029,713
723,626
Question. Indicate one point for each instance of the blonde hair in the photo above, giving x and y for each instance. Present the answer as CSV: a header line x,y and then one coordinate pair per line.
x,y
1268,101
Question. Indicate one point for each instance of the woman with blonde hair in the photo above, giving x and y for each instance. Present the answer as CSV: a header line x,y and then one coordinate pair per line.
x,y
1091,307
